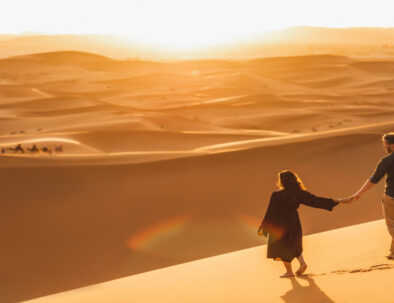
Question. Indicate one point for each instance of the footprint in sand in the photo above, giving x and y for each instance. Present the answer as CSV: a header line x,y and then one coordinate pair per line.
x,y
357,270
368,269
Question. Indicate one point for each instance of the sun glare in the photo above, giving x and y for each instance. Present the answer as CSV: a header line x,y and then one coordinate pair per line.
x,y
181,24
193,25
174,24
184,40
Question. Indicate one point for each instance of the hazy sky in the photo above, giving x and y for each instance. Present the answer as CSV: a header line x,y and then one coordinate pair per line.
x,y
188,23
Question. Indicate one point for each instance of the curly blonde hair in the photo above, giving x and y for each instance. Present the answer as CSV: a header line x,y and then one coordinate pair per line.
x,y
289,180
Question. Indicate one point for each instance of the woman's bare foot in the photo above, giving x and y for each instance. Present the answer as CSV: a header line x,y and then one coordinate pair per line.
x,y
287,275
302,269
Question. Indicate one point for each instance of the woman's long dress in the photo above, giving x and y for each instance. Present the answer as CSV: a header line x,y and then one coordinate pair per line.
x,y
282,223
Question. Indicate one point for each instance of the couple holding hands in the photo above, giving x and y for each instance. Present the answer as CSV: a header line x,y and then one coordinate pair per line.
x,y
282,224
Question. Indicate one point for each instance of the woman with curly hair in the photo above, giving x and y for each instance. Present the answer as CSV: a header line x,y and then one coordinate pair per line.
x,y
282,224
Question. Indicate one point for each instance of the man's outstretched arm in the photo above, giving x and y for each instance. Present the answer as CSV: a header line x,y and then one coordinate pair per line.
x,y
380,171
367,185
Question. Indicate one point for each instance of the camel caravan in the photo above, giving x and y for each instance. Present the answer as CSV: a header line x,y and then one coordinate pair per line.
x,y
34,149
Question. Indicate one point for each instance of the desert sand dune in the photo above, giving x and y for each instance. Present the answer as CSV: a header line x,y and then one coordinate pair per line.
x,y
150,79
53,104
283,94
165,163
341,269
15,92
153,140
384,84
89,233
65,57
72,146
77,87
316,60
300,138
384,68
147,146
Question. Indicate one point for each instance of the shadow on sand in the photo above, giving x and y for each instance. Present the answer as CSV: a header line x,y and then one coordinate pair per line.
x,y
306,294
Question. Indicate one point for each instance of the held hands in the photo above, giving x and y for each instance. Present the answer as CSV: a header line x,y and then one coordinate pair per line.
x,y
367,185
345,200
350,199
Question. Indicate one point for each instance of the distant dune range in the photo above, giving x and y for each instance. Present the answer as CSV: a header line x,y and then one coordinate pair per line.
x,y
295,41
165,163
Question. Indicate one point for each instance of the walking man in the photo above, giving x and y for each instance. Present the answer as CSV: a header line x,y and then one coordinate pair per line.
x,y
384,167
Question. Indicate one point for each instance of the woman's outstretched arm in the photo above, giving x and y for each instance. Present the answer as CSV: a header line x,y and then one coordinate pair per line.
x,y
311,200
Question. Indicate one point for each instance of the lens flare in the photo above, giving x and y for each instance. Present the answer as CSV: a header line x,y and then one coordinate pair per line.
x,y
151,235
